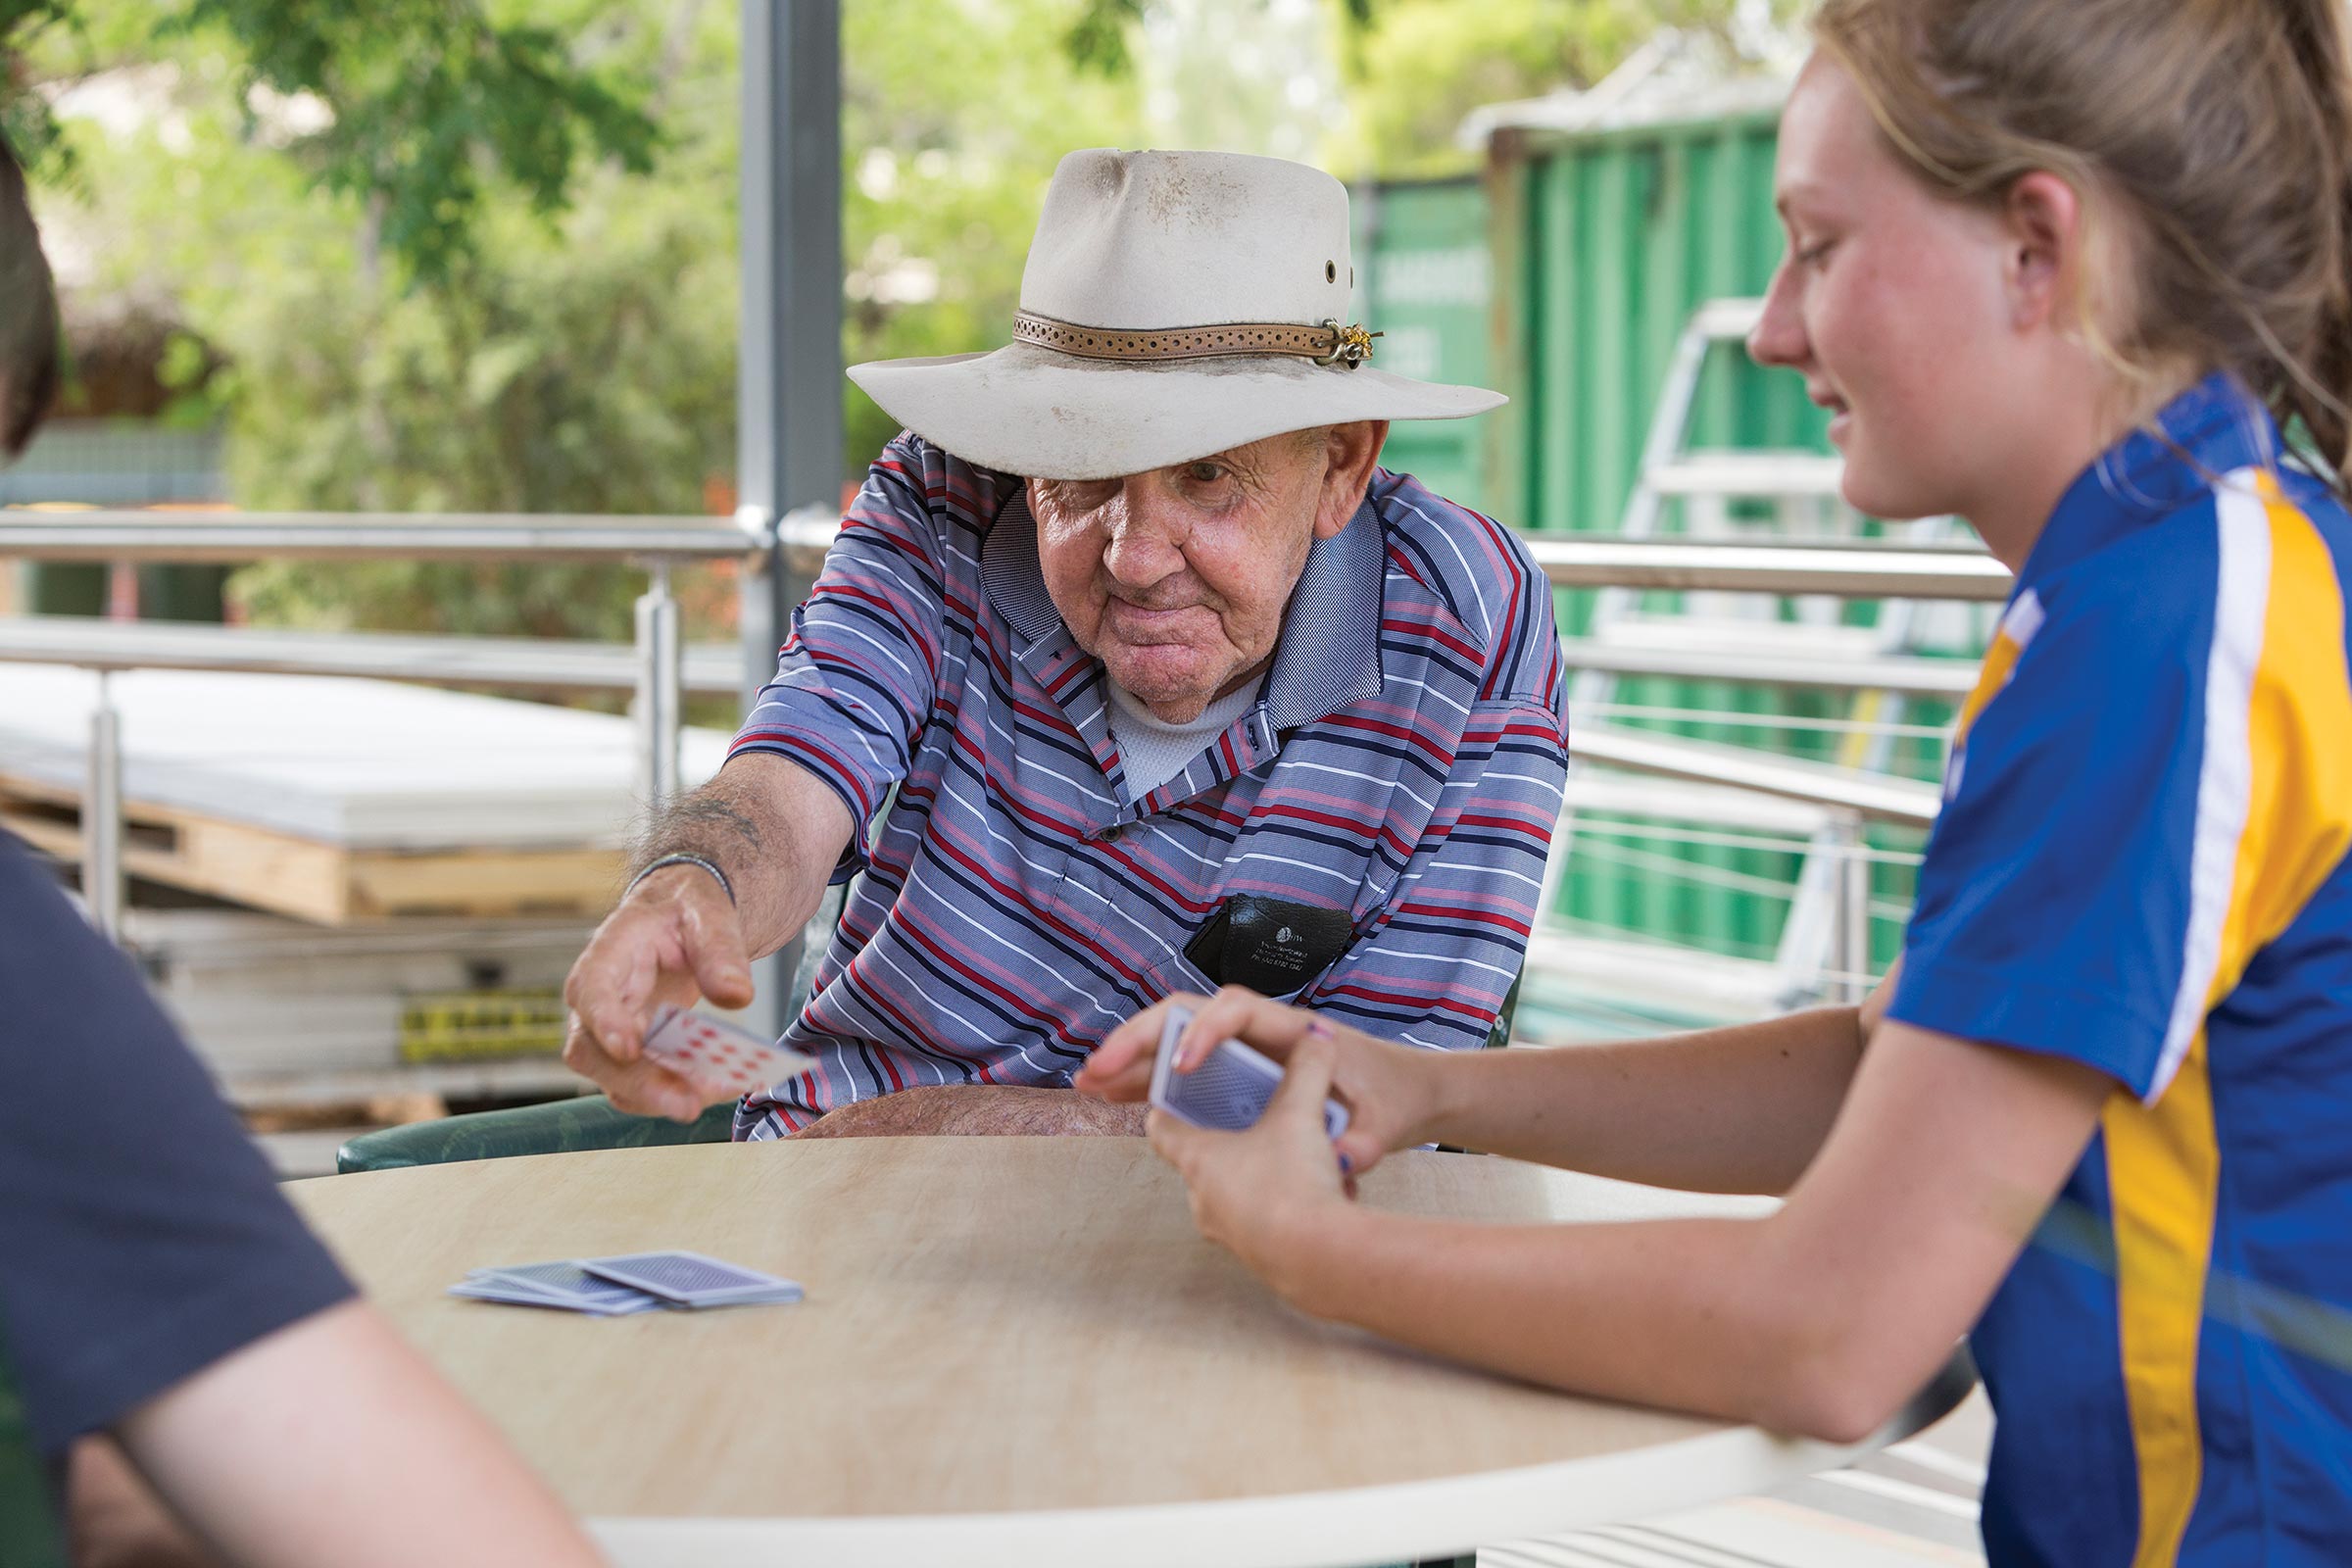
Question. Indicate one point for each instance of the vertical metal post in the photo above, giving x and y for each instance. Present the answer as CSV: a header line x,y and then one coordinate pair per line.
x,y
1853,910
102,816
661,687
788,374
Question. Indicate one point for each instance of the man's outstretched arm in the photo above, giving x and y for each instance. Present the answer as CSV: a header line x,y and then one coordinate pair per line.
x,y
775,831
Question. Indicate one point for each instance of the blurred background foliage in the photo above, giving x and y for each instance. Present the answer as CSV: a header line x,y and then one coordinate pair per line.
x,y
480,255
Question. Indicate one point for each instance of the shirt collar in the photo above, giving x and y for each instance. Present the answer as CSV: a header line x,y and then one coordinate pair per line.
x,y
1329,655
2213,428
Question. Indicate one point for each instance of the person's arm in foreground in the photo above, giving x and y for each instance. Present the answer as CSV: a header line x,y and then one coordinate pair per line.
x,y
1737,1109
331,1440
778,831
1819,1318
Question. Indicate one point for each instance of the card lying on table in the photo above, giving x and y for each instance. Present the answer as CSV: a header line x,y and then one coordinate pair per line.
x,y
562,1284
690,1279
717,1057
615,1286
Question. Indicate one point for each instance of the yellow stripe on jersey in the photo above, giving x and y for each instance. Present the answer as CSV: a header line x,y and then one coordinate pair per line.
x,y
2018,623
2273,817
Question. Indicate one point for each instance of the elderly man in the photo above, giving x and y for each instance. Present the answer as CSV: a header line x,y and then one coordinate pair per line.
x,y
1175,688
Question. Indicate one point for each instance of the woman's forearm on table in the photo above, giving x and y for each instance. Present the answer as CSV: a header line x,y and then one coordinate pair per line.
x,y
1740,1110
1693,1315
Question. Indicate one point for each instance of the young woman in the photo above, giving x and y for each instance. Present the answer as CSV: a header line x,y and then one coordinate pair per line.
x,y
2080,272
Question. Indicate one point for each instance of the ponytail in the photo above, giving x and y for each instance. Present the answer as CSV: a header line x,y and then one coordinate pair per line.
x,y
2321,395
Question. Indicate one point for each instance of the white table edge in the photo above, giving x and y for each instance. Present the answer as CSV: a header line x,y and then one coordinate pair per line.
x,y
1385,1524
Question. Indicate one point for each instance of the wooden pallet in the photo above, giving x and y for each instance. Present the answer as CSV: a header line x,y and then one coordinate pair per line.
x,y
326,884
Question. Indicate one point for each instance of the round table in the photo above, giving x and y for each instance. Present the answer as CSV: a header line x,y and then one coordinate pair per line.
x,y
1014,1351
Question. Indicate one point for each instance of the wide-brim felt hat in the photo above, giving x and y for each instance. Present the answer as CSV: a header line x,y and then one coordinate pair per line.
x,y
1174,305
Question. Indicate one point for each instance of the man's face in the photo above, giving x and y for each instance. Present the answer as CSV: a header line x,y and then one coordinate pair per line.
x,y
1176,579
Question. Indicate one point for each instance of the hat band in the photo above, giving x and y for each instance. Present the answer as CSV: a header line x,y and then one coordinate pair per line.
x,y
1327,344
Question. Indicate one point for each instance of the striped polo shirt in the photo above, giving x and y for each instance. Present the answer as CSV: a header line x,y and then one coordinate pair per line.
x,y
1395,782
2141,867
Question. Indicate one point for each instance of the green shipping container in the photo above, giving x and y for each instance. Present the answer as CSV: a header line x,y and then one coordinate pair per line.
x,y
1426,285
1605,241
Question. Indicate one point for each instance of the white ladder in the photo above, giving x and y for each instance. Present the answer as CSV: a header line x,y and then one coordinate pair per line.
x,y
1729,635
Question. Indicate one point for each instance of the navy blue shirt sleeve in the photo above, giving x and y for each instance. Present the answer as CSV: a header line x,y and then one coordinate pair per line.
x,y
142,1236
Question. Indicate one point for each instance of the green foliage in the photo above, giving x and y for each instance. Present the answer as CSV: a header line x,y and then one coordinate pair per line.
x,y
944,167
436,106
500,275
1421,66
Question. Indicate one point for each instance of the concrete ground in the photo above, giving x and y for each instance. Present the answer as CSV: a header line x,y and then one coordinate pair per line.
x,y
1913,1505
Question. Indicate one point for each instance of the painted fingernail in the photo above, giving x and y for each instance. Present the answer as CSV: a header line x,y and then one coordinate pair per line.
x,y
1346,1166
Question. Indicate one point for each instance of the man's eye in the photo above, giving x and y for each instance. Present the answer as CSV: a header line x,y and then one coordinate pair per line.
x,y
1814,255
1205,472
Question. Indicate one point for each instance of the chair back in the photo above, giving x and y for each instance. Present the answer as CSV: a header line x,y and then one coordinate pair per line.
x,y
30,1533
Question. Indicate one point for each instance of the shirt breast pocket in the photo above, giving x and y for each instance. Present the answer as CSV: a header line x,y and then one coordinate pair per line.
x,y
1273,945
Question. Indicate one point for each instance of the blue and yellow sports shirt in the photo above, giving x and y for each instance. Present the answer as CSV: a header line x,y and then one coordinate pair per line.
x,y
2141,865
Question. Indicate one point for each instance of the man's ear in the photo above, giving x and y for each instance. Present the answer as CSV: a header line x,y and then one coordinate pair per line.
x,y
2043,216
1350,451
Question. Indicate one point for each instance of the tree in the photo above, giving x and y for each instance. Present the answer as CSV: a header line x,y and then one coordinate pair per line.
x,y
556,331
431,104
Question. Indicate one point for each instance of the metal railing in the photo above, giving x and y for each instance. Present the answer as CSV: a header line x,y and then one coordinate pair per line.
x,y
659,669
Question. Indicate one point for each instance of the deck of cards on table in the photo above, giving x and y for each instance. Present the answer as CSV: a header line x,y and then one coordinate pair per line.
x,y
636,1282
717,1057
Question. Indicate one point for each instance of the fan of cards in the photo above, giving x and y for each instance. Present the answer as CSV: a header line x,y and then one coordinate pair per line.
x,y
615,1286
719,1059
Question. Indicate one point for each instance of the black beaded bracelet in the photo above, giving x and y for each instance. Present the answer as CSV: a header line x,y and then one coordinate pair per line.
x,y
683,858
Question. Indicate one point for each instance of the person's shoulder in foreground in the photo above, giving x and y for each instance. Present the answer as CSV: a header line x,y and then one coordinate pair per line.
x,y
160,1290
131,1261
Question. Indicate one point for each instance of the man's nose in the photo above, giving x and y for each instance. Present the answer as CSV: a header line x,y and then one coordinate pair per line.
x,y
1147,537
1779,337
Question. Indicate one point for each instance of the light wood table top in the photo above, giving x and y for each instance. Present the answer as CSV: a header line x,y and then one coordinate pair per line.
x,y
1012,1351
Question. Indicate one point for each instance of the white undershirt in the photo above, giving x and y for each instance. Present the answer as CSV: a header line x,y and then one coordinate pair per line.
x,y
1154,751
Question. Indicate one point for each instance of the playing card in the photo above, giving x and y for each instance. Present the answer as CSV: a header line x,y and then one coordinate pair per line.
x,y
565,1282
719,1059
1229,1091
563,1285
691,1279
518,1296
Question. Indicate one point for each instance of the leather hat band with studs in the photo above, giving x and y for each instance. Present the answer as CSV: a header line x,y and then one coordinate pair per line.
x,y
1327,344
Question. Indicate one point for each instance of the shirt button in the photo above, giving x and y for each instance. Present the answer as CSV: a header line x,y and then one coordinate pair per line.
x,y
1109,835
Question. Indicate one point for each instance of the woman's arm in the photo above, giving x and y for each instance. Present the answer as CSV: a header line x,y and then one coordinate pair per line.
x,y
1739,1109
1820,1320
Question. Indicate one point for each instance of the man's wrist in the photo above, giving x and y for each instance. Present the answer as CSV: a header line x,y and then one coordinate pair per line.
x,y
683,858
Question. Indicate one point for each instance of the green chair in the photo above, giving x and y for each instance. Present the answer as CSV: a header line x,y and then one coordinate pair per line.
x,y
30,1533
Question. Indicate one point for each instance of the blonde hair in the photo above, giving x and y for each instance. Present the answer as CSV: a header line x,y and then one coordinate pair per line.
x,y
2208,140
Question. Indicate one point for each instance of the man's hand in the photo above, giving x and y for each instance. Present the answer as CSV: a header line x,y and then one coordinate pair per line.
x,y
978,1111
676,937
1391,1091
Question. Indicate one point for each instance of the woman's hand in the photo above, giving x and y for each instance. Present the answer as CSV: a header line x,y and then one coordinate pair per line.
x,y
1268,1193
1390,1089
